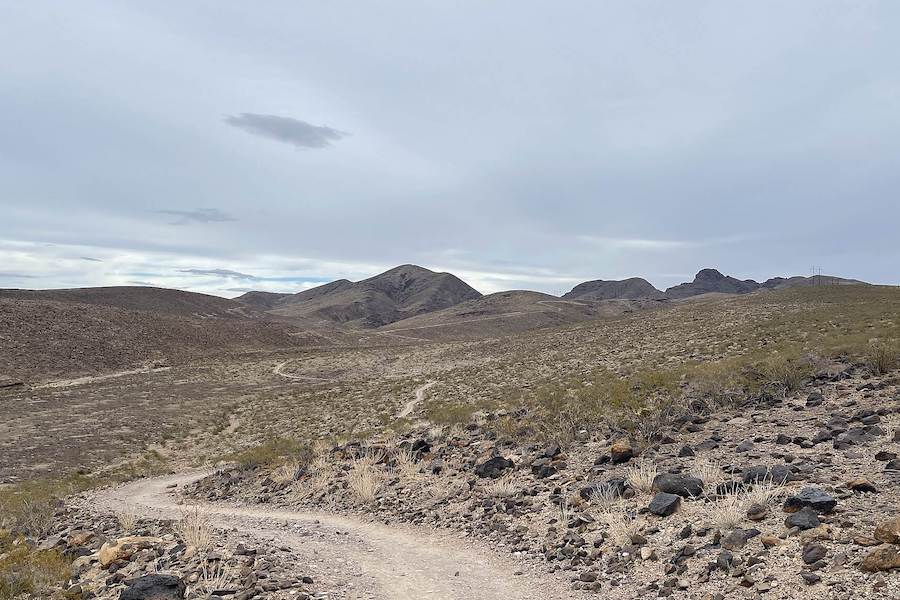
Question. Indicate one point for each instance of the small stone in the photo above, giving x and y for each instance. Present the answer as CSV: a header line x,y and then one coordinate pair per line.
x,y
735,540
621,451
682,485
810,578
881,559
862,485
664,504
813,552
889,531
805,518
815,498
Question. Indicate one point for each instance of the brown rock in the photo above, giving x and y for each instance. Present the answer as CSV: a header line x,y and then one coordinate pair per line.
x,y
124,548
889,531
881,559
862,540
769,541
861,484
621,451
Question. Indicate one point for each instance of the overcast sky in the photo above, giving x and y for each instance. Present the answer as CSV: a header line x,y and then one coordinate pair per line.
x,y
225,146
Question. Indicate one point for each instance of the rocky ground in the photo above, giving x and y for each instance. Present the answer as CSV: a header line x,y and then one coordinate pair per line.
x,y
790,497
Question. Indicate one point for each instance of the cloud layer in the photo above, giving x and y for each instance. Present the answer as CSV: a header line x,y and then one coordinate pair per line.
x,y
517,148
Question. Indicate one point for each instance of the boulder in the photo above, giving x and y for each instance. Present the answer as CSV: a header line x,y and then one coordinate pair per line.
x,y
154,587
613,487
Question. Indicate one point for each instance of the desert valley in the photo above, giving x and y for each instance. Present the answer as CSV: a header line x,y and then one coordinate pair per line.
x,y
406,437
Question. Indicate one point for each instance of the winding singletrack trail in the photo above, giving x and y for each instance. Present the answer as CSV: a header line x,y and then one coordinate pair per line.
x,y
374,560
420,396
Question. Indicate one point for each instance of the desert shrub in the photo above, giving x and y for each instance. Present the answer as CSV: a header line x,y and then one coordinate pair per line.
x,y
365,479
271,453
27,571
640,476
195,528
503,487
29,507
882,357
783,372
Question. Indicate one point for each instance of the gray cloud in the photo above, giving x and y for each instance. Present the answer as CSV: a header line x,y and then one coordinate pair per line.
x,y
15,276
221,273
285,129
197,215
90,259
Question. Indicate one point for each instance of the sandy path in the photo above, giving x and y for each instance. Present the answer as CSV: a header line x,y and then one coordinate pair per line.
x,y
368,559
279,370
95,378
420,396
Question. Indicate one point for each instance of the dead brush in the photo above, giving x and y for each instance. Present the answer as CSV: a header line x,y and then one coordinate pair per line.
x,y
764,492
620,525
195,528
365,479
708,471
443,488
882,358
288,472
503,487
640,476
727,513
127,521
405,465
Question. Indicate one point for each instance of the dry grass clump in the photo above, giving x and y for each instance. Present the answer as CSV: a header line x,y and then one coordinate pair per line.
x,y
365,479
620,525
443,488
288,472
503,487
127,520
708,471
213,576
405,464
195,528
727,513
640,476
605,497
764,492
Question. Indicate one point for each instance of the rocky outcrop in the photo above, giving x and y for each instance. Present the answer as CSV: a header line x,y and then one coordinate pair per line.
x,y
634,288
711,281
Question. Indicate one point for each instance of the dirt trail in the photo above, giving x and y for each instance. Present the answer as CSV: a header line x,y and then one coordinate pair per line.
x,y
279,370
367,560
420,396
95,378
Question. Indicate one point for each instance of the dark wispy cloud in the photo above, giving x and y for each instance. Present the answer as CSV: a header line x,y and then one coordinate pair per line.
x,y
15,276
221,273
197,215
90,258
285,129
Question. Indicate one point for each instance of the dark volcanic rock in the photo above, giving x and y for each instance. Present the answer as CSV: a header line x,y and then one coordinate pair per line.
x,y
815,498
805,518
682,485
664,504
493,467
154,587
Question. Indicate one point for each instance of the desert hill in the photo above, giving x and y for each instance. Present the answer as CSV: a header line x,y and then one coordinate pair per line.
x,y
632,288
505,313
41,339
709,281
400,293
142,298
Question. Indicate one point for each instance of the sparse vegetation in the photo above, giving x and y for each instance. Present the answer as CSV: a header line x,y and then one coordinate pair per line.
x,y
365,479
640,475
25,570
195,528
